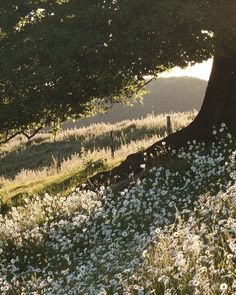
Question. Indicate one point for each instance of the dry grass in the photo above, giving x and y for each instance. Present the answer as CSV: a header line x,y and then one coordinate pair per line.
x,y
29,168
172,232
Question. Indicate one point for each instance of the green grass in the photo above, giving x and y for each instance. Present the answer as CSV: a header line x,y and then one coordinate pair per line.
x,y
30,168
171,232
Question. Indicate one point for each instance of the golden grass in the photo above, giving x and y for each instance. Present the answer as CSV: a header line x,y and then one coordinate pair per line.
x,y
81,149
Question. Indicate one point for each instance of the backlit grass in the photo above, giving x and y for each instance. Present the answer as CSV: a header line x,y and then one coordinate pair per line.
x,y
173,232
29,168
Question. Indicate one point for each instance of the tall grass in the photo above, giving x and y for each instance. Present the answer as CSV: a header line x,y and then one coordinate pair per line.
x,y
30,167
172,232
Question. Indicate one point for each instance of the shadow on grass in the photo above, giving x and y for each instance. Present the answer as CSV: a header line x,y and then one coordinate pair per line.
x,y
38,154
62,187
116,237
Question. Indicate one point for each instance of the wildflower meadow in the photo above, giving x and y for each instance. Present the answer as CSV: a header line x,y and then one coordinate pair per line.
x,y
172,232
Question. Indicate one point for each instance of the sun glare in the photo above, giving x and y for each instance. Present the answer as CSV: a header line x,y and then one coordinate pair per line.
x,y
200,70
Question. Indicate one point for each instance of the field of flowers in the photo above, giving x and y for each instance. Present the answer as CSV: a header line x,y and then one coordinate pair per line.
x,y
173,232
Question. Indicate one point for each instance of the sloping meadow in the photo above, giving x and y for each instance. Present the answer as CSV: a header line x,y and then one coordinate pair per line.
x,y
173,232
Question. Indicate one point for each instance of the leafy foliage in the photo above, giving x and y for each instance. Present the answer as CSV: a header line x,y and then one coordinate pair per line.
x,y
64,59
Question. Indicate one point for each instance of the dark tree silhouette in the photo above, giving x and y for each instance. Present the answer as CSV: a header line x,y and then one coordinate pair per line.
x,y
61,59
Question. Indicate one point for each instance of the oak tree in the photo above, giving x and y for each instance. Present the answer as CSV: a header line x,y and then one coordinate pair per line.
x,y
60,59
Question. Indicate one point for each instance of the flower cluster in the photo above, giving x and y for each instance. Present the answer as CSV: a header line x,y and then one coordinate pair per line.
x,y
197,256
173,232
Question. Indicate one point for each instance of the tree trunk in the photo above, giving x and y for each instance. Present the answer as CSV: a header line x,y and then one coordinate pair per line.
x,y
219,106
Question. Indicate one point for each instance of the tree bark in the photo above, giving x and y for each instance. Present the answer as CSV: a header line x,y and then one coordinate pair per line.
x,y
219,106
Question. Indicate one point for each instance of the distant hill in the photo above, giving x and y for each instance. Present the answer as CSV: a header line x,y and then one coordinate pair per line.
x,y
165,95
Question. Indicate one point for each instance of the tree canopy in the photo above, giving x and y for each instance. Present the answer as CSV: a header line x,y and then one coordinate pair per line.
x,y
62,59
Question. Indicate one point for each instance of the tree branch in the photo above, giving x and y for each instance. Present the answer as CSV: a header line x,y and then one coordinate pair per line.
x,y
28,136
10,137
32,134
146,83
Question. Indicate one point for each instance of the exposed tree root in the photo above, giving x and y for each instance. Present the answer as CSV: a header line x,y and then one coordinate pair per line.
x,y
219,106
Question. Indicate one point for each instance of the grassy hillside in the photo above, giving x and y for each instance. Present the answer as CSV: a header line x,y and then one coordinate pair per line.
x,y
172,232
29,168
164,95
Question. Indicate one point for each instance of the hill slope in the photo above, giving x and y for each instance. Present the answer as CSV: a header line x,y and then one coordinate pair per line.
x,y
173,232
165,95
45,164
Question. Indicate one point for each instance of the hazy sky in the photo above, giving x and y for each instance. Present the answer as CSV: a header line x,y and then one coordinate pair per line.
x,y
201,71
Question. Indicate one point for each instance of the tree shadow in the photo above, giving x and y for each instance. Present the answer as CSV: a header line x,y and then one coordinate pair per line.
x,y
38,153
